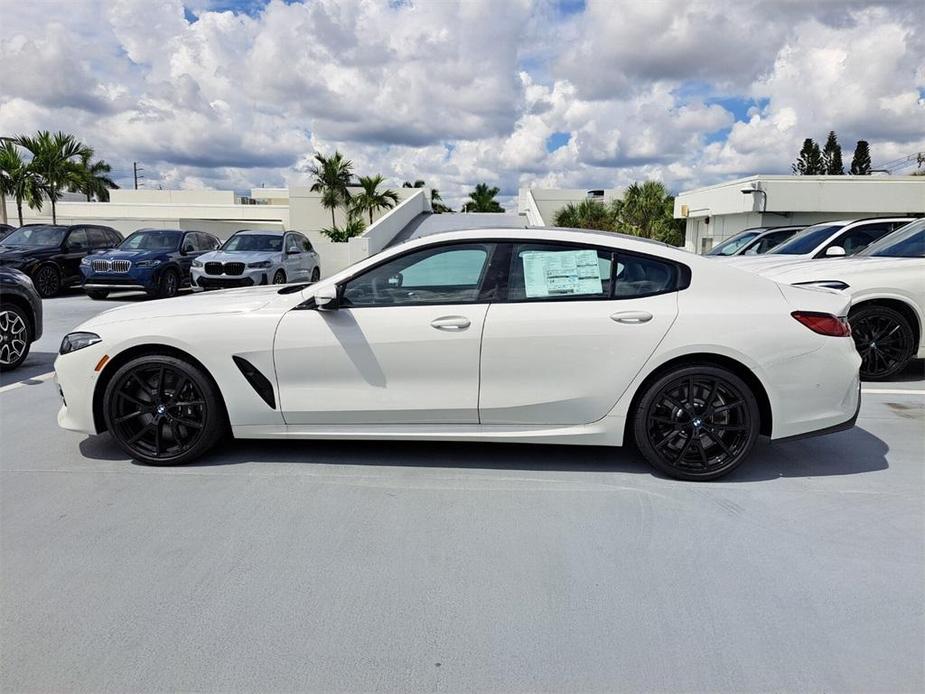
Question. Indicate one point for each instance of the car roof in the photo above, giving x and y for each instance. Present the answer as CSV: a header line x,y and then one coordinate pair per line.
x,y
262,232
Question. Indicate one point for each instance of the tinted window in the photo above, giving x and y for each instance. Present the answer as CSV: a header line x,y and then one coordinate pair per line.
x,y
115,238
160,240
77,240
190,242
208,242
907,242
306,244
292,244
98,238
731,245
253,242
855,240
769,241
443,275
807,240
637,276
36,236
550,271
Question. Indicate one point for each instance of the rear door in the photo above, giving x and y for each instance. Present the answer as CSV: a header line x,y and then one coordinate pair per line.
x,y
76,247
294,258
576,326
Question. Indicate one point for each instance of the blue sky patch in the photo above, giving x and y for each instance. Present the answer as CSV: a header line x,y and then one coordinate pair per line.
x,y
557,140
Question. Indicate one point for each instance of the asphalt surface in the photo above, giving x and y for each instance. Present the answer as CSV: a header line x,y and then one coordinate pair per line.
x,y
338,566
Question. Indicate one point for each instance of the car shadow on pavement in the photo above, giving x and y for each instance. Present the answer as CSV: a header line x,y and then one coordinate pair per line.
x,y
847,453
36,364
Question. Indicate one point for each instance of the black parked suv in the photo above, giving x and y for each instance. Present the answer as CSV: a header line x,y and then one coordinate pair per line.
x,y
50,254
20,317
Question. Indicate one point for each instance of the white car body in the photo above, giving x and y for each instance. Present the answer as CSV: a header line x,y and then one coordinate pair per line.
x,y
532,371
296,261
841,233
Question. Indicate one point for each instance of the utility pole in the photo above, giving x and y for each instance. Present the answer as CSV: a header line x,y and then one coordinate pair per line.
x,y
135,170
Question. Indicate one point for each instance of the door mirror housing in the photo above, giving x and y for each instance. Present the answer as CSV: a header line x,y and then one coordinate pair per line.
x,y
835,252
326,298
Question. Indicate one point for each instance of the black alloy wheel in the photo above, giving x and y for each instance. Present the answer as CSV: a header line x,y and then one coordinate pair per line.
x,y
884,339
15,337
697,423
169,285
316,274
279,277
163,411
47,281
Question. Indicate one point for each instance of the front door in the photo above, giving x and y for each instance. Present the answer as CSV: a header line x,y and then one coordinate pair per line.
x,y
578,325
402,348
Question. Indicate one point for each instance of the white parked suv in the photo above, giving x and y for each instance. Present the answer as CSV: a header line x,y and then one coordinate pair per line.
x,y
824,240
256,257
886,283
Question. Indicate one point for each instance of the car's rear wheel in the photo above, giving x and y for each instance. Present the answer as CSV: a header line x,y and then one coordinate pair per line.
x,y
47,281
169,285
884,340
15,336
316,274
279,277
697,422
163,411
98,294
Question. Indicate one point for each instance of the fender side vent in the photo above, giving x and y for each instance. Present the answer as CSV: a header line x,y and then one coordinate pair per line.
x,y
258,381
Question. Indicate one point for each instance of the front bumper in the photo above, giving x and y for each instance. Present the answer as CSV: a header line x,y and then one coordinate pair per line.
x,y
250,278
76,378
120,280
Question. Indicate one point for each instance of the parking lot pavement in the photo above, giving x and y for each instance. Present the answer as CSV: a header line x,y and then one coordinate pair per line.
x,y
397,566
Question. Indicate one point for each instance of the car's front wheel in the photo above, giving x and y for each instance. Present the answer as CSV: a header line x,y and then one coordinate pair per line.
x,y
279,277
168,286
163,411
316,275
884,340
15,336
697,422
47,281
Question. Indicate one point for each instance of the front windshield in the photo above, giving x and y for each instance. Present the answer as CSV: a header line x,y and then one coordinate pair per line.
x,y
253,242
166,240
905,242
730,246
36,236
807,240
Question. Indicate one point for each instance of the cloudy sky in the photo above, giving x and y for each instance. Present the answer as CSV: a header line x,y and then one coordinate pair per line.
x,y
563,93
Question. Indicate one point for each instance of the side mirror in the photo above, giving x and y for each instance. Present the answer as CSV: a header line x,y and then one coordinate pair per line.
x,y
326,299
835,252
293,251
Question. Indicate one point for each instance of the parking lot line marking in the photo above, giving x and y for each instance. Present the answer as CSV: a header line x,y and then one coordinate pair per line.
x,y
35,380
893,391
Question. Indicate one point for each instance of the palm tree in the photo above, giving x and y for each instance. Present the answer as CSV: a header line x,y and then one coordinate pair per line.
x,y
354,227
53,162
371,200
417,184
587,214
96,177
647,210
18,180
332,176
436,202
482,199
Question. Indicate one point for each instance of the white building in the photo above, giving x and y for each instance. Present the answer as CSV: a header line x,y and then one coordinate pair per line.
x,y
717,212
539,205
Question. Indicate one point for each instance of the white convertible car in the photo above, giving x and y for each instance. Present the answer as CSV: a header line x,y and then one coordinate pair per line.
x,y
525,335
886,283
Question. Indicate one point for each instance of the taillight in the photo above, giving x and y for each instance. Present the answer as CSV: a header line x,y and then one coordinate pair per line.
x,y
824,323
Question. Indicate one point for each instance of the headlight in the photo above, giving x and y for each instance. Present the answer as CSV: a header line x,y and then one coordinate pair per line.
x,y
85,260
262,263
148,263
74,341
827,284
197,263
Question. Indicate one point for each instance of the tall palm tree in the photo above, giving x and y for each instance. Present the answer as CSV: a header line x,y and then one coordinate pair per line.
x,y
96,181
55,161
332,176
647,210
417,184
482,199
17,180
371,200
436,202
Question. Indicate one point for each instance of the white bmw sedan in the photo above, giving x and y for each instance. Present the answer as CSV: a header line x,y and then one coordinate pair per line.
x,y
524,335
886,284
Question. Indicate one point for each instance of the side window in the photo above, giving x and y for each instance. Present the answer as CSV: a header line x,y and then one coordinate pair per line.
x,y
292,244
77,240
209,242
306,244
442,275
551,271
190,242
858,239
637,276
115,238
98,238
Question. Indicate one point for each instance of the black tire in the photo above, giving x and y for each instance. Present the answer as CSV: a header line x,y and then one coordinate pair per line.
x,y
168,285
884,339
697,422
97,294
279,277
163,411
316,274
15,336
47,281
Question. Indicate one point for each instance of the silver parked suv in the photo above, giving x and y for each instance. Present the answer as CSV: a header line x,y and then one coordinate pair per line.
x,y
253,257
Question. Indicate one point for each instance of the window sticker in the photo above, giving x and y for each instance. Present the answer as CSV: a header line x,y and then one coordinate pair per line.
x,y
561,273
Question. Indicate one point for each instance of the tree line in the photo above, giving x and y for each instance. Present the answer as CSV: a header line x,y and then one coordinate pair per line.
x,y
646,210
40,166
812,161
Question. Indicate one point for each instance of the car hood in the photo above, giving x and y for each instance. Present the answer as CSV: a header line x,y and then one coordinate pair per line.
x,y
765,263
840,268
118,254
238,257
242,300
17,252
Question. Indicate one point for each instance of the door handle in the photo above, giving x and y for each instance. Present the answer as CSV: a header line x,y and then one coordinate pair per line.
x,y
631,317
450,323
